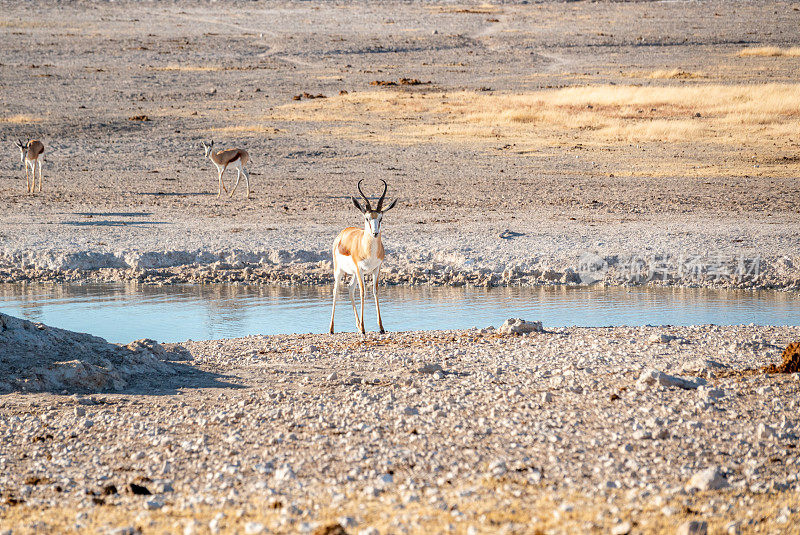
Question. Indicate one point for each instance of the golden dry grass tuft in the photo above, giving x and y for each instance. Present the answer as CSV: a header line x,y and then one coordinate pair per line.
x,y
189,68
246,129
20,119
770,51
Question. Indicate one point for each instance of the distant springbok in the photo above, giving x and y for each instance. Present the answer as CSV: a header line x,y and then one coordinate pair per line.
x,y
359,252
29,154
222,159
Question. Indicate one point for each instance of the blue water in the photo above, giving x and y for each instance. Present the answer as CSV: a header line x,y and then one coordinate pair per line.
x,y
124,312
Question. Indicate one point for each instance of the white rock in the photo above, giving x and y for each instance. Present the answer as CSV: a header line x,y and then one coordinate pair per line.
x,y
659,338
520,326
764,432
253,528
621,529
347,521
369,531
708,479
701,366
693,527
733,528
429,369
153,503
284,473
653,377
372,492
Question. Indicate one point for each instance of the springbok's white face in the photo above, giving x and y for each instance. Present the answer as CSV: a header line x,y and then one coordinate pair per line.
x,y
373,217
372,222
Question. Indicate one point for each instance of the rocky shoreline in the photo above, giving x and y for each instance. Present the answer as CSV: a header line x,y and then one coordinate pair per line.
x,y
312,268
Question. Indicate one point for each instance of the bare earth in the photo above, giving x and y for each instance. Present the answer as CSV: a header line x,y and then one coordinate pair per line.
x,y
681,205
514,165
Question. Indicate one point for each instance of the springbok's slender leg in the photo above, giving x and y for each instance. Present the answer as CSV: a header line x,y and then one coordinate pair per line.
x,y
362,291
351,289
40,175
337,276
238,177
375,293
27,182
246,181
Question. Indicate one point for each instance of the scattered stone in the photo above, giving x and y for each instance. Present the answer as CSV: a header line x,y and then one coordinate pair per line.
x,y
254,528
653,377
765,432
660,338
708,479
547,397
733,528
621,529
429,369
153,503
693,527
520,326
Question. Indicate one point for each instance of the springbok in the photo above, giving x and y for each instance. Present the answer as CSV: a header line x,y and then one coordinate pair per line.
x,y
222,159
29,154
359,252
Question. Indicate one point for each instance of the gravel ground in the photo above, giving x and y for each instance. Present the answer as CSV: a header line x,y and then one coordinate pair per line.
x,y
573,429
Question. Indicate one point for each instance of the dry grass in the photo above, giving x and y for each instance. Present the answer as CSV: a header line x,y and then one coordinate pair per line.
x,y
770,51
534,511
189,68
246,129
729,124
20,119
597,114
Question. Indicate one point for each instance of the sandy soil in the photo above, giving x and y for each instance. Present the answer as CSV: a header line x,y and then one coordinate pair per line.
x,y
119,193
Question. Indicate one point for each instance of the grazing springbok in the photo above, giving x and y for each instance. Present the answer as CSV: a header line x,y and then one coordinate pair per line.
x,y
222,159
359,252
29,154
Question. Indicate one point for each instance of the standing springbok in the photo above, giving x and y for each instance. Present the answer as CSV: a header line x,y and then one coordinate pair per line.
x,y
359,252
29,154
222,159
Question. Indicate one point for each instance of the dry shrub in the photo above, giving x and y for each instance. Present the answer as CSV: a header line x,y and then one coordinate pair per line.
x,y
790,363
770,51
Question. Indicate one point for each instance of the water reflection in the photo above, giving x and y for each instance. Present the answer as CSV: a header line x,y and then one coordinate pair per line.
x,y
123,312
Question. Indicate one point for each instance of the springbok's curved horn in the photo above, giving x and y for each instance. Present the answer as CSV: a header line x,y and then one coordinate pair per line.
x,y
383,195
369,208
